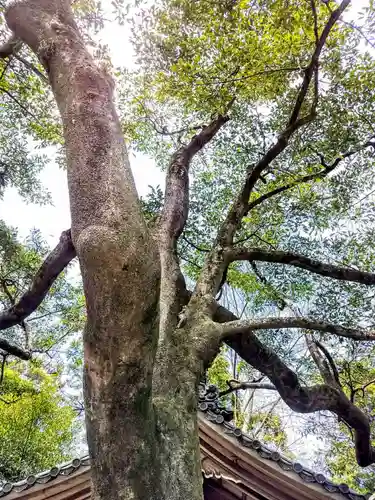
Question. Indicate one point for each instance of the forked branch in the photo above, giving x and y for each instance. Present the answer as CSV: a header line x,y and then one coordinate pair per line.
x,y
215,267
241,206
172,222
321,174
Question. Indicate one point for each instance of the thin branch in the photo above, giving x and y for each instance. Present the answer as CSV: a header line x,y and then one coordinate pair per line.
x,y
31,67
254,75
24,108
200,249
320,360
302,262
53,265
330,360
360,389
234,327
357,28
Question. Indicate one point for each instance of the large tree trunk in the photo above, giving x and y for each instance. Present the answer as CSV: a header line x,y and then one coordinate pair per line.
x,y
138,453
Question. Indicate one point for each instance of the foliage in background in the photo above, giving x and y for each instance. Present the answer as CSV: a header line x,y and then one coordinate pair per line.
x,y
36,422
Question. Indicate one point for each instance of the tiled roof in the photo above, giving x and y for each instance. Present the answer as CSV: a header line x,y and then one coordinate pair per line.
x,y
210,406
45,477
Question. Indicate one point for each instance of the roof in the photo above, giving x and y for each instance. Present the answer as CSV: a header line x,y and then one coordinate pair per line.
x,y
234,466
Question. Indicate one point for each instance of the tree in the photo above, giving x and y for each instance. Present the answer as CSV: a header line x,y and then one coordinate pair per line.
x,y
36,423
148,339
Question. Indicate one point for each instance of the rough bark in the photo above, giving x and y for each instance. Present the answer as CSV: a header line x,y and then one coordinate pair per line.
x,y
118,263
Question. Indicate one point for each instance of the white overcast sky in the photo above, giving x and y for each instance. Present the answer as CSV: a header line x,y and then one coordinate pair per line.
x,y
52,220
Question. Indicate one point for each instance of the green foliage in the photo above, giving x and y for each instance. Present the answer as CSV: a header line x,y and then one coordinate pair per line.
x,y
36,422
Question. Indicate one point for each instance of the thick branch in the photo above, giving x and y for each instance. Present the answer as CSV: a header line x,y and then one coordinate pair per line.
x,y
14,350
302,262
54,264
172,223
305,399
176,205
234,327
299,398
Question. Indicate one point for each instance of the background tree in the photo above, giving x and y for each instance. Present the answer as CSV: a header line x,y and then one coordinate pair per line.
x,y
36,423
259,99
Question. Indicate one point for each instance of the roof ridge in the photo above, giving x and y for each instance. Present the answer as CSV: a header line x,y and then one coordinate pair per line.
x,y
209,404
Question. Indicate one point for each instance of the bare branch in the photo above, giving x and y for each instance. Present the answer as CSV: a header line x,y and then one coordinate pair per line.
x,y
14,350
236,385
233,327
54,264
302,262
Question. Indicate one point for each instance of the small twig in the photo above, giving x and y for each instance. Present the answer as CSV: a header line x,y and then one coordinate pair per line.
x,y
3,367
26,111
200,249
31,67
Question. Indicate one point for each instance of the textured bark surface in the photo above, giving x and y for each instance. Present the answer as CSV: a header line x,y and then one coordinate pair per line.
x,y
116,255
